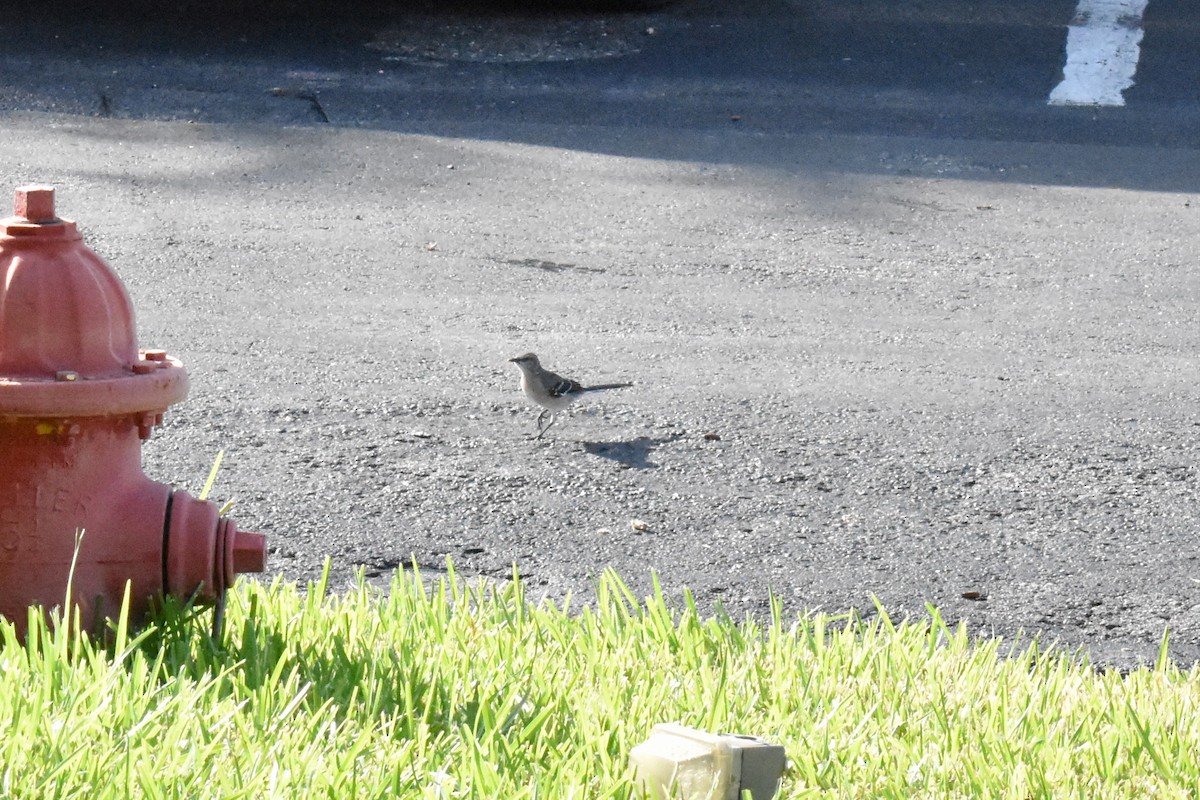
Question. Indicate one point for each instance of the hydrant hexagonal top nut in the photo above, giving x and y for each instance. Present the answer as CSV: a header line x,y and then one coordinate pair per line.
x,y
77,398
35,203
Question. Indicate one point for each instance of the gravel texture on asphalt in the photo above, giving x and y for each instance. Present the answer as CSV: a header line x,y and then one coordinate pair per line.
x,y
848,387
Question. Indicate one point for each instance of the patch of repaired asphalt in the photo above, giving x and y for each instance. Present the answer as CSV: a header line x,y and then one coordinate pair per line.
x,y
439,37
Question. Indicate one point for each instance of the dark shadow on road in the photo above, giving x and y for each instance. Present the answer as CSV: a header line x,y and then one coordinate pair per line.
x,y
958,88
634,454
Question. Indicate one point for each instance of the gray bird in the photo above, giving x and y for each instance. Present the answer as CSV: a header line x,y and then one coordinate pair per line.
x,y
550,391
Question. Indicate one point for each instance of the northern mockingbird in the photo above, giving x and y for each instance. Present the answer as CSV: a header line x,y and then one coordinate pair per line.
x,y
550,391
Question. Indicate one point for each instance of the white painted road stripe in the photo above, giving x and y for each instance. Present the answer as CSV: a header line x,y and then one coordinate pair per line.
x,y
1102,53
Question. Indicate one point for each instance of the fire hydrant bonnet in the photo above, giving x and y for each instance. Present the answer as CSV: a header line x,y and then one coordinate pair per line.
x,y
67,343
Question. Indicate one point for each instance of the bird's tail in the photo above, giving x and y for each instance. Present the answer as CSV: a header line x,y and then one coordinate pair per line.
x,y
601,387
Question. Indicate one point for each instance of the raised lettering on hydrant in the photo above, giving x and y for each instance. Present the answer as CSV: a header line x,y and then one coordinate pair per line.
x,y
77,399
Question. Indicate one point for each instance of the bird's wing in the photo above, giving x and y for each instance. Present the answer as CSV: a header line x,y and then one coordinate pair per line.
x,y
559,386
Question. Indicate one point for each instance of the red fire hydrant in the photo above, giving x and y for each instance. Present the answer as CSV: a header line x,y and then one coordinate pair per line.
x,y
77,398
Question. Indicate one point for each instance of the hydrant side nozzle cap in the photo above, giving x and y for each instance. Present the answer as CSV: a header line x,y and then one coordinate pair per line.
x,y
249,552
35,203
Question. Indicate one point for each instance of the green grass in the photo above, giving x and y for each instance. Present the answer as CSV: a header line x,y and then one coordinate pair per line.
x,y
464,690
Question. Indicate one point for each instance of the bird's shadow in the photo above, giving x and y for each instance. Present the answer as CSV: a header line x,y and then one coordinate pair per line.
x,y
634,453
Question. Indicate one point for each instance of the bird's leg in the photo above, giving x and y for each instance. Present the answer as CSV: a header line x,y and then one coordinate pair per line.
x,y
541,430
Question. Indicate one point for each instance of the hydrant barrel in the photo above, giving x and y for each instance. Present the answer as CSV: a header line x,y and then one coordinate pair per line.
x,y
77,399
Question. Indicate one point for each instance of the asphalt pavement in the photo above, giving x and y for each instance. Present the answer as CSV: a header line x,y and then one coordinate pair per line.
x,y
900,330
